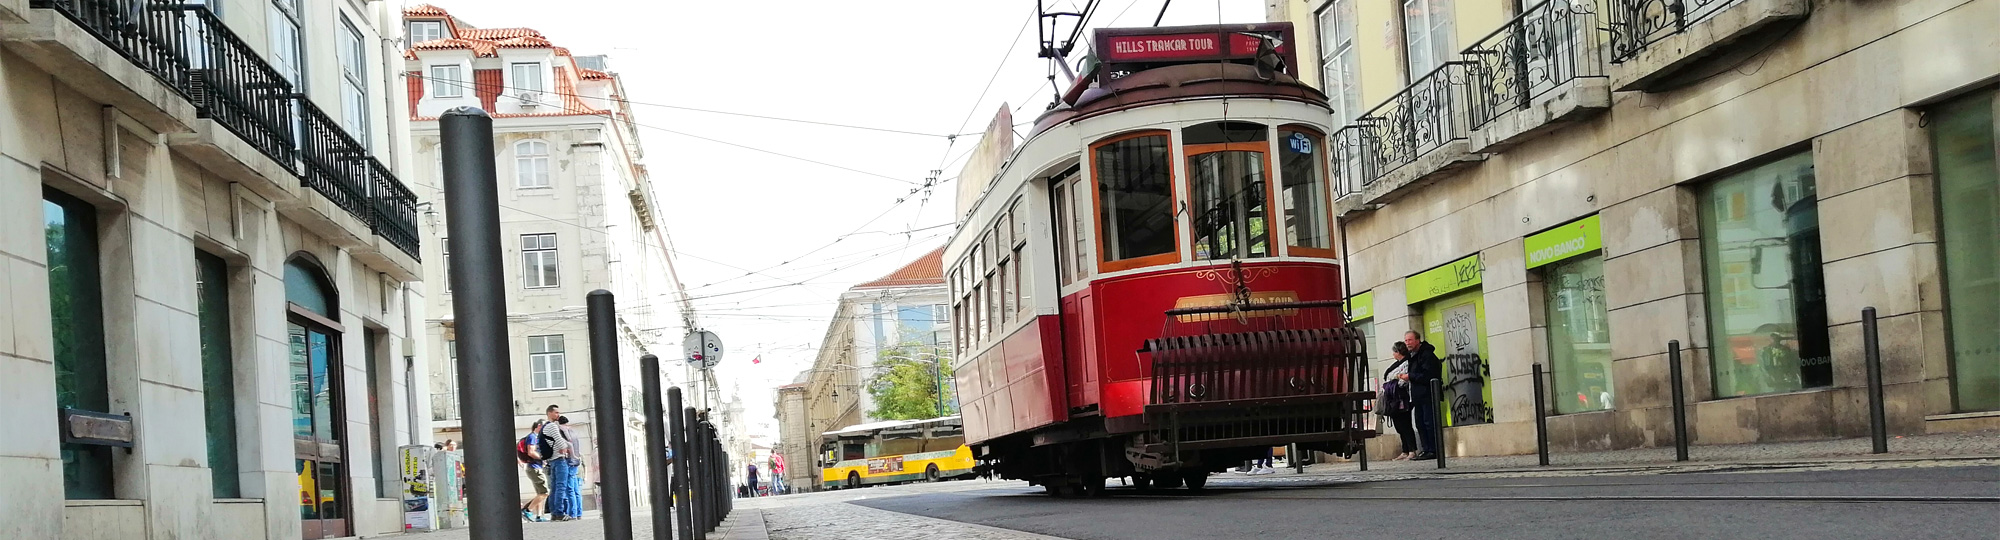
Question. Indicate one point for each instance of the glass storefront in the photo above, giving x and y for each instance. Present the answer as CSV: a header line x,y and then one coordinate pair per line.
x,y
1579,326
1766,295
1962,135
1456,325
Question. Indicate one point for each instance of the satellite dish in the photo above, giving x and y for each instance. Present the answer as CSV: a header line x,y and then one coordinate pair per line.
x,y
703,348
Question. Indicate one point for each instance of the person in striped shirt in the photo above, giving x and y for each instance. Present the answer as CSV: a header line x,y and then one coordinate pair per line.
x,y
565,499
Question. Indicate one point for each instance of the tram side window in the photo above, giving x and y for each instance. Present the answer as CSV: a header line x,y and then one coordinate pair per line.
x,y
1022,297
1070,205
1303,193
1135,199
1060,204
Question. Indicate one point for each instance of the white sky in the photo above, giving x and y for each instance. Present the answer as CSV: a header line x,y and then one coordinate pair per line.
x,y
913,65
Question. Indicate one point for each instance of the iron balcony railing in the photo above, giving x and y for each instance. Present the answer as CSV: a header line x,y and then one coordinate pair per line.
x,y
331,162
147,32
1353,168
1428,114
234,87
1548,45
395,208
444,406
187,47
1635,24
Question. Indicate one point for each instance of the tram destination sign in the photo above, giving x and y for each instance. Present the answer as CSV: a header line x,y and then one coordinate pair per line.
x,y
1124,49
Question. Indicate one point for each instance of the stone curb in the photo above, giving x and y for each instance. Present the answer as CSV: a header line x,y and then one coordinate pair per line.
x,y
743,524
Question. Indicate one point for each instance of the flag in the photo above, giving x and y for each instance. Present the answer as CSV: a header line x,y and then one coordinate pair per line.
x,y
758,360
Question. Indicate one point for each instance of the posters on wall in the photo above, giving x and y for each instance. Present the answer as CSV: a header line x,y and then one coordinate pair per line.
x,y
1454,321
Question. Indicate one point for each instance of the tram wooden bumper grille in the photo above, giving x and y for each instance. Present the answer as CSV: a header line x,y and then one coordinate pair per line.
x,y
1249,375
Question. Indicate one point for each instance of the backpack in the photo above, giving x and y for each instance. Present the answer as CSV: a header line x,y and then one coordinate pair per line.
x,y
525,452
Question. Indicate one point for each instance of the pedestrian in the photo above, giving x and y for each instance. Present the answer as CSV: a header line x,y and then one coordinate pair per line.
x,y
530,450
750,477
561,463
1424,367
1394,403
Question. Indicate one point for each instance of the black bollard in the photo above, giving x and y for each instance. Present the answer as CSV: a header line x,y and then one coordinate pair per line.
x,y
1437,393
678,437
698,493
1679,392
614,490
656,448
1541,417
1871,348
478,274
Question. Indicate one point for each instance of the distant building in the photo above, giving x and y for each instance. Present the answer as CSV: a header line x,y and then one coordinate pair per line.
x,y
903,314
576,213
797,442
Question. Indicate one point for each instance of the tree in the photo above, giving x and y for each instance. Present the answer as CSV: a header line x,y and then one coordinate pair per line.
x,y
908,381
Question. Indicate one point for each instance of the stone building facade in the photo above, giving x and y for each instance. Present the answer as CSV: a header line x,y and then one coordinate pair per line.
x,y
576,212
213,271
1579,184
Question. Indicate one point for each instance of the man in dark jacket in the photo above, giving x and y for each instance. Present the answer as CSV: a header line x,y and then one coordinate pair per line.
x,y
1424,368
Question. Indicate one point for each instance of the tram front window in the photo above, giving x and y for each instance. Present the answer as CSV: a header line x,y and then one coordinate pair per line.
x,y
1229,205
1303,194
1229,197
1135,198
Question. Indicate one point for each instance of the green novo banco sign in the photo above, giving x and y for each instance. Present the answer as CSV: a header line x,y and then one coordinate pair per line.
x,y
1443,280
1565,241
1361,307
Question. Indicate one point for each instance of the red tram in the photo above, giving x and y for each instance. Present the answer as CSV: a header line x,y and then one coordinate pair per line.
x,y
1148,286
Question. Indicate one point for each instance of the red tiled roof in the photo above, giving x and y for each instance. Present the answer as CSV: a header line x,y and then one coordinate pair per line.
x,y
424,10
499,33
592,74
926,270
479,47
524,42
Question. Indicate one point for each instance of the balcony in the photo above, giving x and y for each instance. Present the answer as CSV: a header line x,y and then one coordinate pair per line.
x,y
1540,70
1404,143
444,407
170,65
1660,44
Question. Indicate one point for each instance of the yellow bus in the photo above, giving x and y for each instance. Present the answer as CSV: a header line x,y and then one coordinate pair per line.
x,y
895,452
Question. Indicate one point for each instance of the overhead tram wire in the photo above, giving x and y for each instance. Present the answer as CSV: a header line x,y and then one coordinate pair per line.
x,y
613,118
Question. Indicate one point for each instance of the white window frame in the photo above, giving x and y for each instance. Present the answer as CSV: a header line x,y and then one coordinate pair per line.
x,y
1340,68
548,365
521,74
447,81
416,37
1426,35
288,56
531,165
538,250
353,55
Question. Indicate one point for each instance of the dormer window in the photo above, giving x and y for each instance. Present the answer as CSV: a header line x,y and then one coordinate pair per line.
x,y
447,81
422,31
527,77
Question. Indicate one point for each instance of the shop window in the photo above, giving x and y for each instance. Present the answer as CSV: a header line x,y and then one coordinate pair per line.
x,y
1302,167
1135,197
1456,326
1227,190
76,318
1962,135
1579,328
1767,300
318,411
218,373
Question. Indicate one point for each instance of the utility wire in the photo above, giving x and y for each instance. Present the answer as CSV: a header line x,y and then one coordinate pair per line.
x,y
612,117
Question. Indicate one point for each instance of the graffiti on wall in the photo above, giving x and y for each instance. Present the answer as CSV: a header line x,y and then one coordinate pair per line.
x,y
1465,371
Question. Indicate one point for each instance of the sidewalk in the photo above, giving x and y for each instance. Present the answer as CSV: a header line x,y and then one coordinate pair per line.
x,y
1842,453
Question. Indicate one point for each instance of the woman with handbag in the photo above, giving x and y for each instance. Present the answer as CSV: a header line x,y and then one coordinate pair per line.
x,y
1395,401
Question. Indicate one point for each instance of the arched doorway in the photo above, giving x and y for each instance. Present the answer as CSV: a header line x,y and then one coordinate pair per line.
x,y
318,420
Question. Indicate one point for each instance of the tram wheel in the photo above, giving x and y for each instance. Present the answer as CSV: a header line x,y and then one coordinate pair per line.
x,y
931,473
1093,486
1142,481
1195,479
